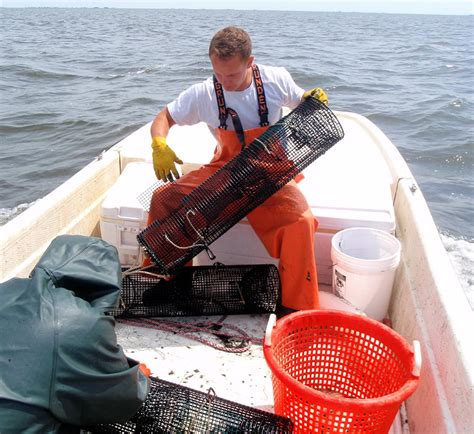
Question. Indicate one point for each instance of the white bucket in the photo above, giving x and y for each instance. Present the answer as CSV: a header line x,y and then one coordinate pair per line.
x,y
364,263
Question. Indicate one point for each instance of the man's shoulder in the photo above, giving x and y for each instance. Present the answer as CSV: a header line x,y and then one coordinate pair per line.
x,y
204,84
275,73
199,89
274,68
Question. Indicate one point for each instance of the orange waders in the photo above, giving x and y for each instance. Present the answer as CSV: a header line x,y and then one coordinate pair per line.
x,y
284,222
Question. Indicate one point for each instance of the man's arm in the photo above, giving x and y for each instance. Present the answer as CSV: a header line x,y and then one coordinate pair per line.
x,y
162,123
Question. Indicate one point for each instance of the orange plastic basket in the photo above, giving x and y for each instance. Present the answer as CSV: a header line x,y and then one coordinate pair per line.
x,y
338,372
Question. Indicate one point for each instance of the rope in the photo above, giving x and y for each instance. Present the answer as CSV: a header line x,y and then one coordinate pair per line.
x,y
142,270
213,328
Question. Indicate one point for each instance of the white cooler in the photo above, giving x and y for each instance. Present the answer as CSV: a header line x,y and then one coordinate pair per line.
x,y
122,215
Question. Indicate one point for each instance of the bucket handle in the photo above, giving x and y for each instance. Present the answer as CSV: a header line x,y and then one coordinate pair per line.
x,y
268,331
417,353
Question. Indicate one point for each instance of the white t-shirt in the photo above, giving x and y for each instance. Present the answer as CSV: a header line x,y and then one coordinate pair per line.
x,y
198,102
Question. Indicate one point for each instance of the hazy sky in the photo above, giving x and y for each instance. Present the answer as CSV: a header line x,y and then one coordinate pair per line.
x,y
446,7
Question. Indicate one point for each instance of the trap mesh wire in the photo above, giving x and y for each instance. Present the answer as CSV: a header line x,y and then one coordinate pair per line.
x,y
201,290
173,408
246,181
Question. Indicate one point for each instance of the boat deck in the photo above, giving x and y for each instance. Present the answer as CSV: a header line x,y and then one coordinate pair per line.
x,y
240,377
244,377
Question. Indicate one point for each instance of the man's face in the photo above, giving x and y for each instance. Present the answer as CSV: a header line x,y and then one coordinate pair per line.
x,y
234,73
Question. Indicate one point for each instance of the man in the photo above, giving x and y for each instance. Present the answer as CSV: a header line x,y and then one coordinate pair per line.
x,y
253,95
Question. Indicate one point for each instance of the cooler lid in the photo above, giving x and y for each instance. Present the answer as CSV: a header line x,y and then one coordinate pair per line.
x,y
350,185
122,200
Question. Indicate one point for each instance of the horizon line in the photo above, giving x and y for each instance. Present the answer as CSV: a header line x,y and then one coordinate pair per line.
x,y
467,14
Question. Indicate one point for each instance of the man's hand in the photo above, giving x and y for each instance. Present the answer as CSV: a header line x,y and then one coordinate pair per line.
x,y
164,160
317,93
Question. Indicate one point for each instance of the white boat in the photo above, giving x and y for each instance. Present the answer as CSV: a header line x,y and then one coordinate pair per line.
x,y
427,302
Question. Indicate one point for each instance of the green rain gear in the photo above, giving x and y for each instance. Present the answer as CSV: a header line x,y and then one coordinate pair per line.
x,y
60,363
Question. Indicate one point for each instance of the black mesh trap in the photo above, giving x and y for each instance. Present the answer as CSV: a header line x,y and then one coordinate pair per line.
x,y
173,408
202,290
246,181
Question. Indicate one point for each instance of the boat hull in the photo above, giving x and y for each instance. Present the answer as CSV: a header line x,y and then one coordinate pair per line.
x,y
427,303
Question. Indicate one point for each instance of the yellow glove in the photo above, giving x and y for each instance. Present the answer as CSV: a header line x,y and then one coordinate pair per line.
x,y
164,159
317,93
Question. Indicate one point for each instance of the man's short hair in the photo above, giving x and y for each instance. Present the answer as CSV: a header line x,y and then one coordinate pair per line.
x,y
229,42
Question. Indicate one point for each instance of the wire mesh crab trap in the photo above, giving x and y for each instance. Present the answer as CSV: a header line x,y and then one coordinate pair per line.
x,y
173,408
201,290
246,181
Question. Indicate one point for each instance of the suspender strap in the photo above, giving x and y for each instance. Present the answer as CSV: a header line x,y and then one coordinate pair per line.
x,y
237,126
224,112
220,103
262,101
